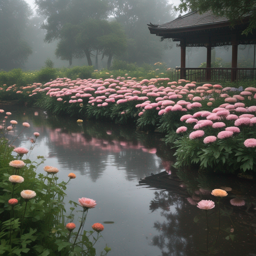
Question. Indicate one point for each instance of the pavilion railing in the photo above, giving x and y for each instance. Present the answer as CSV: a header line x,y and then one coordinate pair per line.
x,y
217,74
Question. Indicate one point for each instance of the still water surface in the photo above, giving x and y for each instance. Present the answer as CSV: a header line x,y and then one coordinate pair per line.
x,y
147,207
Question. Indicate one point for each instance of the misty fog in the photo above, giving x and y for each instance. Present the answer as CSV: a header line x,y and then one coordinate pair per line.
x,y
49,26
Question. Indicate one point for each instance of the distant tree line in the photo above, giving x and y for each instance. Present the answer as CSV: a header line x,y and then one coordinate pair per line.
x,y
90,29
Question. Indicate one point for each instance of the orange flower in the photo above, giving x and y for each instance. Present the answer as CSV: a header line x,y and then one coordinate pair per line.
x,y
97,227
72,175
219,193
12,201
70,226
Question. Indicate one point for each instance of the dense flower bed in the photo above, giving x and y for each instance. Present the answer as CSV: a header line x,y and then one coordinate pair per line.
x,y
213,123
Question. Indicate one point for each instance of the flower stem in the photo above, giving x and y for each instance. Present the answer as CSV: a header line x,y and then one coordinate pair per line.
x,y
82,221
23,217
207,232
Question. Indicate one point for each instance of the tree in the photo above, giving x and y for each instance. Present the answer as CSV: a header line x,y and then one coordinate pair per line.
x,y
113,42
14,50
67,47
76,23
133,15
235,10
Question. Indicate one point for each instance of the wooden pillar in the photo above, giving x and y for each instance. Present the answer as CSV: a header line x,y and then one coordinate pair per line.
x,y
183,59
234,59
208,62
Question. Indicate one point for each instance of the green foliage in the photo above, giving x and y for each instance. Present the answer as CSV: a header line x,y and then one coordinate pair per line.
x,y
83,72
49,63
37,226
123,65
46,74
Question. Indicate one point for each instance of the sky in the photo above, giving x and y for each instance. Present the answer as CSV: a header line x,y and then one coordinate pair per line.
x,y
32,2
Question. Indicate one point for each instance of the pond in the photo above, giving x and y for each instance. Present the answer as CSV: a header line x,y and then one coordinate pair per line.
x,y
146,207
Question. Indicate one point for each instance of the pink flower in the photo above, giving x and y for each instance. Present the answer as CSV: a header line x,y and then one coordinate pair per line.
x,y
196,105
196,134
223,113
176,108
185,117
253,120
240,109
209,139
191,120
36,134
243,121
213,117
230,100
233,129
25,124
237,202
181,129
21,151
224,134
206,205
218,125
204,123
232,117
87,202
252,109
250,143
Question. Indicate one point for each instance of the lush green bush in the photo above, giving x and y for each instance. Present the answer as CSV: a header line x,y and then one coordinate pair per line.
x,y
37,225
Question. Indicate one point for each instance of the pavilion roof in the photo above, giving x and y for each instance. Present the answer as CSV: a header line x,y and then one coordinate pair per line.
x,y
194,19
201,29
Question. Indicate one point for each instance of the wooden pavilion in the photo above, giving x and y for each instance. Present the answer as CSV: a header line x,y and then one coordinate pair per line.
x,y
207,30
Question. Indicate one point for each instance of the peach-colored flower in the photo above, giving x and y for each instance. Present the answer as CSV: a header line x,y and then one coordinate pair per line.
x,y
12,201
87,202
17,164
1,111
13,122
9,128
8,113
206,205
51,169
21,151
219,192
25,124
70,226
72,176
98,227
27,194
16,179
36,134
